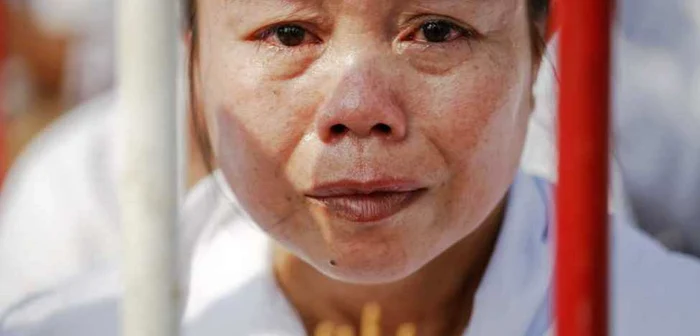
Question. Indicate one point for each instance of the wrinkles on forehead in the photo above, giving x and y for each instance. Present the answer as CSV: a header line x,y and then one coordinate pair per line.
x,y
368,4
361,2
490,14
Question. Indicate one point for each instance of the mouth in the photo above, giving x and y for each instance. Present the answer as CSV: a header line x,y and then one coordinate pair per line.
x,y
366,201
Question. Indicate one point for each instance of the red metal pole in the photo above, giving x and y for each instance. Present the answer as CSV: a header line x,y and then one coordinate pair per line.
x,y
582,231
553,20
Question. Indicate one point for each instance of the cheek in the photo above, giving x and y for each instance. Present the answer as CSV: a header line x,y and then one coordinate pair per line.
x,y
477,120
485,97
255,123
253,172
480,109
241,97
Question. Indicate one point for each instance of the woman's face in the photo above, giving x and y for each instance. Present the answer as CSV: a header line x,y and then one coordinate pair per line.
x,y
366,136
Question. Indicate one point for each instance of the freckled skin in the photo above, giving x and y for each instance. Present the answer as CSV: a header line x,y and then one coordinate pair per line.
x,y
458,114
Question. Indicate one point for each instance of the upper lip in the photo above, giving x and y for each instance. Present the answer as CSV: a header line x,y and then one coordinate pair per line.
x,y
353,187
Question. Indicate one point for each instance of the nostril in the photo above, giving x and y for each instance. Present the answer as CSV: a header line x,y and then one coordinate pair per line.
x,y
338,129
382,128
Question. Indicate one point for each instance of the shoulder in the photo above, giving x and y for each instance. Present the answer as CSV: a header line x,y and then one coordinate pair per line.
x,y
88,306
655,291
73,151
228,269
54,202
66,149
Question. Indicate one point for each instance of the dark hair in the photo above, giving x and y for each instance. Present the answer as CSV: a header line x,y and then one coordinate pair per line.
x,y
538,10
539,13
198,125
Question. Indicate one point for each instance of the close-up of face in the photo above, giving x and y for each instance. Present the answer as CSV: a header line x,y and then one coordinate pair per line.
x,y
366,137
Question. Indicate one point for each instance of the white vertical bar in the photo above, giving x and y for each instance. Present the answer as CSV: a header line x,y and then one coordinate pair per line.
x,y
147,38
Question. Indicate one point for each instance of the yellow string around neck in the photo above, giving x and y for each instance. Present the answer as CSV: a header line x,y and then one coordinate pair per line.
x,y
345,330
371,315
326,328
406,329
370,325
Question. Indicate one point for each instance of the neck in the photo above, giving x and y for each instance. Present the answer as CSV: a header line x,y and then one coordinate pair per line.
x,y
437,299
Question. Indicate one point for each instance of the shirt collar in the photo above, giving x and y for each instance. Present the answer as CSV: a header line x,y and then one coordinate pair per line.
x,y
515,287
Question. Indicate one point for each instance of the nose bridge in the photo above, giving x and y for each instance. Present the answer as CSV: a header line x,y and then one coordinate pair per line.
x,y
359,86
362,102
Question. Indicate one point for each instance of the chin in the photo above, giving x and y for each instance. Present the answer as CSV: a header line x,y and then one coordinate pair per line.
x,y
383,252
368,269
367,276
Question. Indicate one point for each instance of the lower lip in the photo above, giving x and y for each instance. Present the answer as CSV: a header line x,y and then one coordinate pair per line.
x,y
369,208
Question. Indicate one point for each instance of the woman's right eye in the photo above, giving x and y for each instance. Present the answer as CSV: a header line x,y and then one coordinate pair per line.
x,y
288,35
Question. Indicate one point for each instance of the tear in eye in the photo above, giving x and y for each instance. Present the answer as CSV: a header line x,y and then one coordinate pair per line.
x,y
287,35
290,35
438,31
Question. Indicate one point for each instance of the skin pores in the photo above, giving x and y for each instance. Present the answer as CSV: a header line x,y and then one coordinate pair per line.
x,y
425,101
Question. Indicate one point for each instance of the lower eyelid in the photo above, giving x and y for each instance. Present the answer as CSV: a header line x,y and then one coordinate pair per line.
x,y
416,46
277,49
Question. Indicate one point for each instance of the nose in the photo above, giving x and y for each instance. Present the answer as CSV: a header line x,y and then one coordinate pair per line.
x,y
362,104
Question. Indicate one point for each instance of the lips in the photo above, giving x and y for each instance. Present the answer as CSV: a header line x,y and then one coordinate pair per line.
x,y
366,201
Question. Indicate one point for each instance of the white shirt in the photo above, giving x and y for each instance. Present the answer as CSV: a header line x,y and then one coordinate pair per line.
x,y
58,209
59,213
233,291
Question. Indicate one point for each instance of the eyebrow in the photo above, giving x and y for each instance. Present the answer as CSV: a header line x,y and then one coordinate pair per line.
x,y
455,3
289,2
450,3
293,2
443,5
293,5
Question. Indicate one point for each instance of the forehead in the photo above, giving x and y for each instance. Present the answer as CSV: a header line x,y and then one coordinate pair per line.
x,y
352,2
369,4
495,12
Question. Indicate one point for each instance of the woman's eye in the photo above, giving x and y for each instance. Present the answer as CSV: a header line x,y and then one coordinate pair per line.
x,y
289,35
439,31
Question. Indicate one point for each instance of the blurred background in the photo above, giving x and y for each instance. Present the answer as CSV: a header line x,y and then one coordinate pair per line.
x,y
57,54
57,60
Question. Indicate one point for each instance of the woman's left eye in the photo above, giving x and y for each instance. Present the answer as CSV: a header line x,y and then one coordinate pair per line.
x,y
288,35
439,31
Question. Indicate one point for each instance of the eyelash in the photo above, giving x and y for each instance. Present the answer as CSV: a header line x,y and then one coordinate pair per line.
x,y
467,34
270,33
265,34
